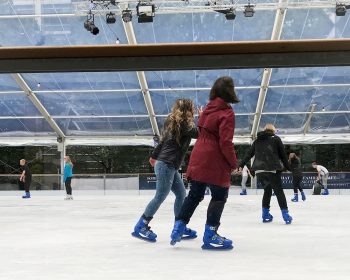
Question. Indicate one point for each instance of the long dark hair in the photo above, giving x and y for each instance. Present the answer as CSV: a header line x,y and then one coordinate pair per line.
x,y
181,113
224,88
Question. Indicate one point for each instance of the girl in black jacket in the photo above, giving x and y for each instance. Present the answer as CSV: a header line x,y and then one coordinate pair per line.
x,y
179,129
297,175
269,153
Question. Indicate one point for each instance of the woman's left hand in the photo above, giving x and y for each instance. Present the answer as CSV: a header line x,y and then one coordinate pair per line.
x,y
152,161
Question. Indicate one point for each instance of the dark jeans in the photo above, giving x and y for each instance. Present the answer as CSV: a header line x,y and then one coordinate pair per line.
x,y
68,185
196,195
272,181
27,182
297,183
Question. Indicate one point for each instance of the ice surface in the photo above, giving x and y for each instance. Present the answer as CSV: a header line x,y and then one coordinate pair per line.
x,y
89,238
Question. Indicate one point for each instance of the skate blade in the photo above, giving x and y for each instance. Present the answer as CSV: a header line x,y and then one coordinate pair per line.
x,y
267,221
175,240
288,222
220,248
188,237
138,236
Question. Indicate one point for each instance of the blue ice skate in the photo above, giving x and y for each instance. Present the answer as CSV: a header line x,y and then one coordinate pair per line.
x,y
178,231
26,195
266,216
243,192
286,217
303,197
295,198
189,234
213,241
325,192
143,231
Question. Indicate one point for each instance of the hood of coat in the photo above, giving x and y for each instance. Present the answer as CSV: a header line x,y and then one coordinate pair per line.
x,y
215,105
262,135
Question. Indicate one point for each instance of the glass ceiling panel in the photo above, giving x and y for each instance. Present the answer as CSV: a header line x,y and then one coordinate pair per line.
x,y
7,83
243,124
204,27
58,31
310,76
106,126
285,124
300,99
314,24
17,104
93,104
25,127
82,81
27,7
201,78
330,123
163,101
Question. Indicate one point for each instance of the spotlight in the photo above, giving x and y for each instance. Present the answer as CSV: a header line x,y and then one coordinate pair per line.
x,y
90,26
110,18
249,10
340,9
127,15
145,12
230,14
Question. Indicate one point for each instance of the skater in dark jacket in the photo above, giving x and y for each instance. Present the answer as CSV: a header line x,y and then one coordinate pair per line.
x,y
212,160
269,153
297,176
25,178
167,157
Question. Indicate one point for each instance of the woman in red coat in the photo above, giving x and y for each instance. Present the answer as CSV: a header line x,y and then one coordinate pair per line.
x,y
212,160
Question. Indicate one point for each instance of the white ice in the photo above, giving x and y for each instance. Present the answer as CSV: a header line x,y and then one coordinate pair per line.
x,y
48,238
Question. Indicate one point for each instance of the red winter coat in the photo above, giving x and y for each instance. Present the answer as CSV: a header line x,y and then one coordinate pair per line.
x,y
213,156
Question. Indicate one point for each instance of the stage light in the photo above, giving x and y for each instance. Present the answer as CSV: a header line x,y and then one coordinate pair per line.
x,y
340,9
249,10
145,12
90,26
127,15
110,18
230,14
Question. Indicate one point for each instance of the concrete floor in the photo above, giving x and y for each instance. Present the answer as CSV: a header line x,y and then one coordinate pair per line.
x,y
89,238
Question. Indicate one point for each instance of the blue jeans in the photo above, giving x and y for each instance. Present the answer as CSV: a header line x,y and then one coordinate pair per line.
x,y
168,178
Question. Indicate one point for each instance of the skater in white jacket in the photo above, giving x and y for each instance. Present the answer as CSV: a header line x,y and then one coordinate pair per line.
x,y
322,176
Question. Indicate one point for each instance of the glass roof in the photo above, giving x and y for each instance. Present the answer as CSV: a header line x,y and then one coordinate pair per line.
x,y
113,103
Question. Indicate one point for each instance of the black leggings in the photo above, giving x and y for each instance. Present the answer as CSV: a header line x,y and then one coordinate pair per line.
x,y
196,195
67,183
272,181
297,183
27,182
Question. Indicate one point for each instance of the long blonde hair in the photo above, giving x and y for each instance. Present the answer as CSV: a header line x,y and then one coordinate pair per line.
x,y
181,113
69,161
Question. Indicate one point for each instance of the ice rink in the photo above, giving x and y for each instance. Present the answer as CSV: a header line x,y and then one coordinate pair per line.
x,y
89,238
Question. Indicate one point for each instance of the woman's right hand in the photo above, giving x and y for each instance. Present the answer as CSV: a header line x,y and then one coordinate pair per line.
x,y
152,161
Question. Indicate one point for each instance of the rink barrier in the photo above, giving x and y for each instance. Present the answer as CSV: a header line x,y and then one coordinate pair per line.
x,y
144,181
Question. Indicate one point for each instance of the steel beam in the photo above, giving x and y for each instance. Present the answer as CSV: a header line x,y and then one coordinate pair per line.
x,y
276,35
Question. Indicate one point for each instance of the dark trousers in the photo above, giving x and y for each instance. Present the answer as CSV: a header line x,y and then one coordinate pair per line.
x,y
27,182
272,181
67,183
297,183
196,195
